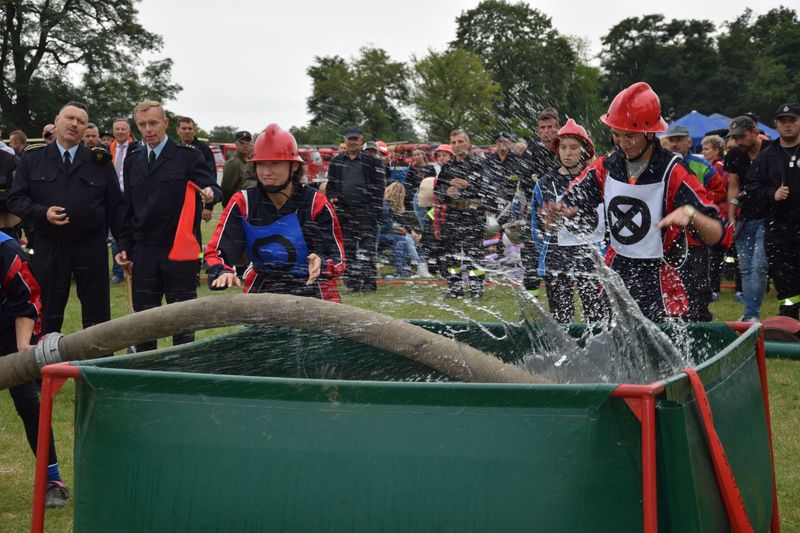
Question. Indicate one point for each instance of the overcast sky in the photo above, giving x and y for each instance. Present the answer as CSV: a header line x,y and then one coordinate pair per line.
x,y
243,63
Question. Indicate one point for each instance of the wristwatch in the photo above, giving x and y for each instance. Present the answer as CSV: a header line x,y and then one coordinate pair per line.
x,y
690,211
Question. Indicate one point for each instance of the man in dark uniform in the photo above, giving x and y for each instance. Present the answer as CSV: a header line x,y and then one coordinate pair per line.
x,y
510,177
8,223
156,179
187,129
356,181
773,182
69,196
466,189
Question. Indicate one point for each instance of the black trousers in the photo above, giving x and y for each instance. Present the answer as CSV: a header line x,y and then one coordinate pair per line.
x,y
566,267
156,277
783,257
54,264
26,401
696,280
360,235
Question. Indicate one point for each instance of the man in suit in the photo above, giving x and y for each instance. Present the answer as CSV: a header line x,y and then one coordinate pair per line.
x,y
156,177
69,197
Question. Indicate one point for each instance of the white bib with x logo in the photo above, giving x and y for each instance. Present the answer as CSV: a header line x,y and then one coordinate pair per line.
x,y
633,212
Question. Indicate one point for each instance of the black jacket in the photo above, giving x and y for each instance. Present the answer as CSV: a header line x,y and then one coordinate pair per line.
x,y
8,164
767,173
89,193
375,179
154,197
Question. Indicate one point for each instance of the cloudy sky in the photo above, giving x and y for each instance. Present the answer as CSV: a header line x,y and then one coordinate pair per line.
x,y
243,63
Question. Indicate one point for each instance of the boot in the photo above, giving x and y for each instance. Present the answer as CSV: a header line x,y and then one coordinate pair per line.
x,y
792,311
422,270
455,288
476,287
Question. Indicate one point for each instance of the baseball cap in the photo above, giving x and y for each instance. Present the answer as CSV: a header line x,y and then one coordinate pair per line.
x,y
243,136
788,110
676,130
370,145
741,125
352,131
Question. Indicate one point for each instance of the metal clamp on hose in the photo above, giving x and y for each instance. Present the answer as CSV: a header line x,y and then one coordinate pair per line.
x,y
46,351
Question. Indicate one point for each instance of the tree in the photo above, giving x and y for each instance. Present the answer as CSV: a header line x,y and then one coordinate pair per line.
x,y
677,58
365,91
760,68
45,44
222,134
451,90
535,66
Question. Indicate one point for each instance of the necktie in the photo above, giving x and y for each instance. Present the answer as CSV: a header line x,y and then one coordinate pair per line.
x,y
119,159
151,160
67,161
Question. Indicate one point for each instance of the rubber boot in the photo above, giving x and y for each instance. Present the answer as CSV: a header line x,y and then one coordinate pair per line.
x,y
792,311
455,287
476,287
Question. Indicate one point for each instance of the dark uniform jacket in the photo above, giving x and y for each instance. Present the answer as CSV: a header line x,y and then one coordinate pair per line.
x,y
375,179
8,164
154,197
89,193
768,172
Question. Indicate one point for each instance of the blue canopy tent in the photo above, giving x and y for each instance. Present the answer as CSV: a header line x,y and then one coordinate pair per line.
x,y
724,121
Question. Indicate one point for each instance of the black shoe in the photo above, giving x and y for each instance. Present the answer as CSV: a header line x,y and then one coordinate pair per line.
x,y
57,495
476,288
455,289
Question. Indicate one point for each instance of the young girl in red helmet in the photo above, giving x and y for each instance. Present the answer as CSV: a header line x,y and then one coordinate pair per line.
x,y
288,230
651,200
565,257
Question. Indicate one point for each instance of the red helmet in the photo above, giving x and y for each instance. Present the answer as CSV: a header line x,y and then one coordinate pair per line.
x,y
274,144
383,147
573,129
444,148
637,108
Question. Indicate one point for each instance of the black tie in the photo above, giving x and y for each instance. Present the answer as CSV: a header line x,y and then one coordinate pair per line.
x,y
67,161
151,161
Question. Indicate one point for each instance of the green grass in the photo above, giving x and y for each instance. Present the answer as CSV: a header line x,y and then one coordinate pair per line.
x,y
403,301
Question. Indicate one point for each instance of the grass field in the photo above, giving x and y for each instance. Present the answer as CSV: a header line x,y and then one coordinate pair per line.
x,y
403,301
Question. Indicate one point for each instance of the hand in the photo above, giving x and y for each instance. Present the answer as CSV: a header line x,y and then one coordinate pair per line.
x,y
207,195
123,261
453,191
782,193
228,279
57,216
314,267
459,182
553,214
680,217
23,345
416,236
206,215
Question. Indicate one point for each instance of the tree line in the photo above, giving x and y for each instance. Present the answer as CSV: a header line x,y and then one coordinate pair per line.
x,y
505,64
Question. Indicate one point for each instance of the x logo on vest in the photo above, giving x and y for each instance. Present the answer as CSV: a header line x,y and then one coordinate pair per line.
x,y
630,219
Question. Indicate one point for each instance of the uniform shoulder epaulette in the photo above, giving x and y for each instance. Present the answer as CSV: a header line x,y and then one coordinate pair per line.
x,y
34,146
188,146
100,154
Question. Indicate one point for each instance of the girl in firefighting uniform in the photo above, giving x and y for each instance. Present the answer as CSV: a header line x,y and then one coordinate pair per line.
x,y
564,257
20,314
288,230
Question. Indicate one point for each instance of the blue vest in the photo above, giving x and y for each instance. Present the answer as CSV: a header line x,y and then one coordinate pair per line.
x,y
277,247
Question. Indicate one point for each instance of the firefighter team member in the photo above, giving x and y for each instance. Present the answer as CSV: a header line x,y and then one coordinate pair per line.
x,y
565,258
287,229
20,313
650,199
156,179
468,196
69,196
774,183
356,181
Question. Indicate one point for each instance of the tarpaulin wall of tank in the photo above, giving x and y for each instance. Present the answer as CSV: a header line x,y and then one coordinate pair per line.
x,y
197,438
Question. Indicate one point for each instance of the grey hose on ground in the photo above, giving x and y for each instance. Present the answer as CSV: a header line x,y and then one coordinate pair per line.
x,y
452,358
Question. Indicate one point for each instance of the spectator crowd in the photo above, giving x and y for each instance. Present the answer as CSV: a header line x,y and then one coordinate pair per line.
x,y
542,210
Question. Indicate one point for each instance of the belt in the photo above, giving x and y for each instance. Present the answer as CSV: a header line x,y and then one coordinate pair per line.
x,y
466,204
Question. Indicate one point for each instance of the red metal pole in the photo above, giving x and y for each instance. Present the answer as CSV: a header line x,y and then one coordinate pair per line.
x,y
649,491
53,378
